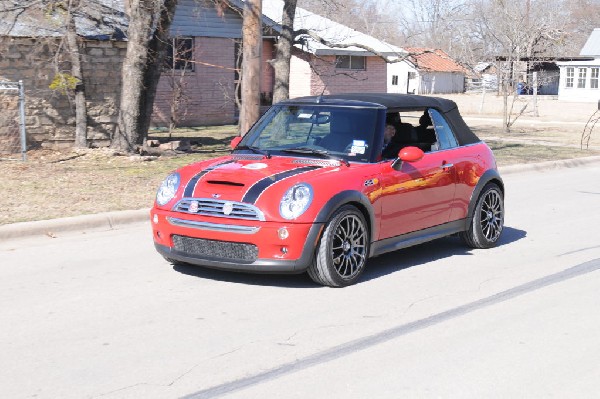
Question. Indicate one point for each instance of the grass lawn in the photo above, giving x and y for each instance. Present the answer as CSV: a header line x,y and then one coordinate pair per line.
x,y
58,184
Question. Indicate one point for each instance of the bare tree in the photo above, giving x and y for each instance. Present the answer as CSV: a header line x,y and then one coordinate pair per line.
x,y
252,54
75,57
520,34
281,91
148,33
179,63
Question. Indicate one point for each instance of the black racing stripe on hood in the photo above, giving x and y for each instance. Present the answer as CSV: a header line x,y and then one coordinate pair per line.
x,y
191,186
256,190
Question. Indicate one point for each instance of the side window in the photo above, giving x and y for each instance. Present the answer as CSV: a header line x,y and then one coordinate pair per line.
x,y
445,136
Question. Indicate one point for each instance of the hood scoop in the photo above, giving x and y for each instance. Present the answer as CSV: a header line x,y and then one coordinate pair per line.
x,y
247,157
225,183
318,162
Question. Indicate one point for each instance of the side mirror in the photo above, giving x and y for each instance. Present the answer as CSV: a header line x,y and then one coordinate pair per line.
x,y
235,141
411,154
407,154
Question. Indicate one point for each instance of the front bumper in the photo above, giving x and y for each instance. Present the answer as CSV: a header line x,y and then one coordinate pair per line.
x,y
237,245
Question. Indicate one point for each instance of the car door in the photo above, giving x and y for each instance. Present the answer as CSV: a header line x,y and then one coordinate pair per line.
x,y
420,194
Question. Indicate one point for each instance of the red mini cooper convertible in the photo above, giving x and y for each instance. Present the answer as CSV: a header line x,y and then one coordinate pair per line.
x,y
322,184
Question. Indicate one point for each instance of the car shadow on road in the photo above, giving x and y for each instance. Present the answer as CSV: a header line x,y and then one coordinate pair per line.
x,y
428,252
378,267
268,280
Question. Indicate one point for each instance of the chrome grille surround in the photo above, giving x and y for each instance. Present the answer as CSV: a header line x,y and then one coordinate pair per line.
x,y
227,228
214,207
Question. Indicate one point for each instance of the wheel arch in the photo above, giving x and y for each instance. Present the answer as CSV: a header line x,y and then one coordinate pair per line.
x,y
354,198
490,176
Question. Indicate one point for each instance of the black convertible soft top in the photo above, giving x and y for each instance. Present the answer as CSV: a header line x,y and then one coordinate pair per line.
x,y
397,103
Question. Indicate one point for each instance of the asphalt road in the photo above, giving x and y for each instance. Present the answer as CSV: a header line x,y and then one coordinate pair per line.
x,y
101,315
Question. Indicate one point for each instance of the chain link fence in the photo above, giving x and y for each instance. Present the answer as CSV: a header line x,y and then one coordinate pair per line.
x,y
12,121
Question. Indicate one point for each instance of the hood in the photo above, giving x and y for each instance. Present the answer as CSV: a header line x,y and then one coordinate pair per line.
x,y
245,178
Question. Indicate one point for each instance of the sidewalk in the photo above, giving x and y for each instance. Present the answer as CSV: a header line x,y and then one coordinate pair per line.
x,y
113,220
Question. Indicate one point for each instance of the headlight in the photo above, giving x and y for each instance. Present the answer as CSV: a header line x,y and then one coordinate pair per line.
x,y
295,201
167,189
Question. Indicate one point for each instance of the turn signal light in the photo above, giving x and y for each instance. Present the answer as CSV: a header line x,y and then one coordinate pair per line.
x,y
283,233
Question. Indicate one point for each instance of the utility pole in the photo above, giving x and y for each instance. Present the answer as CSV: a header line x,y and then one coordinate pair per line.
x,y
252,54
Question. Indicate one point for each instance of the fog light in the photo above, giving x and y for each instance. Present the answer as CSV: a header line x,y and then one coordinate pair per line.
x,y
155,219
283,233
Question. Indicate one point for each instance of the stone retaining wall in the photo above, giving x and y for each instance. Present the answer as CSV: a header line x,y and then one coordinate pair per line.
x,y
50,115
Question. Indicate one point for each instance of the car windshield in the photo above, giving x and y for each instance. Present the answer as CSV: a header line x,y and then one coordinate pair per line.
x,y
346,133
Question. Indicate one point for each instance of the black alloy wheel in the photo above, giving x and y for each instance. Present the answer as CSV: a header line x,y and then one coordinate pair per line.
x,y
343,249
488,219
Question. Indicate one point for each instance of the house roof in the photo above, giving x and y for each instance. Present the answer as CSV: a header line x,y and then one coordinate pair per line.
x,y
592,46
95,19
482,66
329,30
434,60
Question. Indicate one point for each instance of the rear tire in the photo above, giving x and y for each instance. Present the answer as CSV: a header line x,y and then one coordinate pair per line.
x,y
343,249
488,219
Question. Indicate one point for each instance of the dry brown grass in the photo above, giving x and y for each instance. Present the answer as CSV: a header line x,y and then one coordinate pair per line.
x,y
59,184
54,184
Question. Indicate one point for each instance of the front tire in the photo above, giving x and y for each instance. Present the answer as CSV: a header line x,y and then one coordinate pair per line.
x,y
488,219
343,249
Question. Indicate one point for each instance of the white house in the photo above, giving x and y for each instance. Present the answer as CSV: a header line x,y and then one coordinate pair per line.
x,y
426,71
580,78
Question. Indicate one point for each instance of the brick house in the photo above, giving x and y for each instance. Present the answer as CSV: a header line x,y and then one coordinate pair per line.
x,y
198,87
208,79
201,81
317,68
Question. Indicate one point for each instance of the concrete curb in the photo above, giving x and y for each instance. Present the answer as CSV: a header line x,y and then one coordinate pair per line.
x,y
110,220
549,165
105,220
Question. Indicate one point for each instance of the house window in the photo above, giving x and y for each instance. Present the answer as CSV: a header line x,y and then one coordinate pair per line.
x,y
594,78
350,62
582,72
412,75
180,54
570,77
394,80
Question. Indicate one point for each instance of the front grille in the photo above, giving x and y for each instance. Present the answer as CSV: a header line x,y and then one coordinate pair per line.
x,y
212,249
217,208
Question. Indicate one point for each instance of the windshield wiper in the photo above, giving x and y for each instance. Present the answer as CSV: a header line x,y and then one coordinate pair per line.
x,y
315,151
255,150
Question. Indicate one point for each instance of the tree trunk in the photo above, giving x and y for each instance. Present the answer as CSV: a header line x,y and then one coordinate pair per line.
x,y
141,69
252,53
281,91
80,101
158,50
